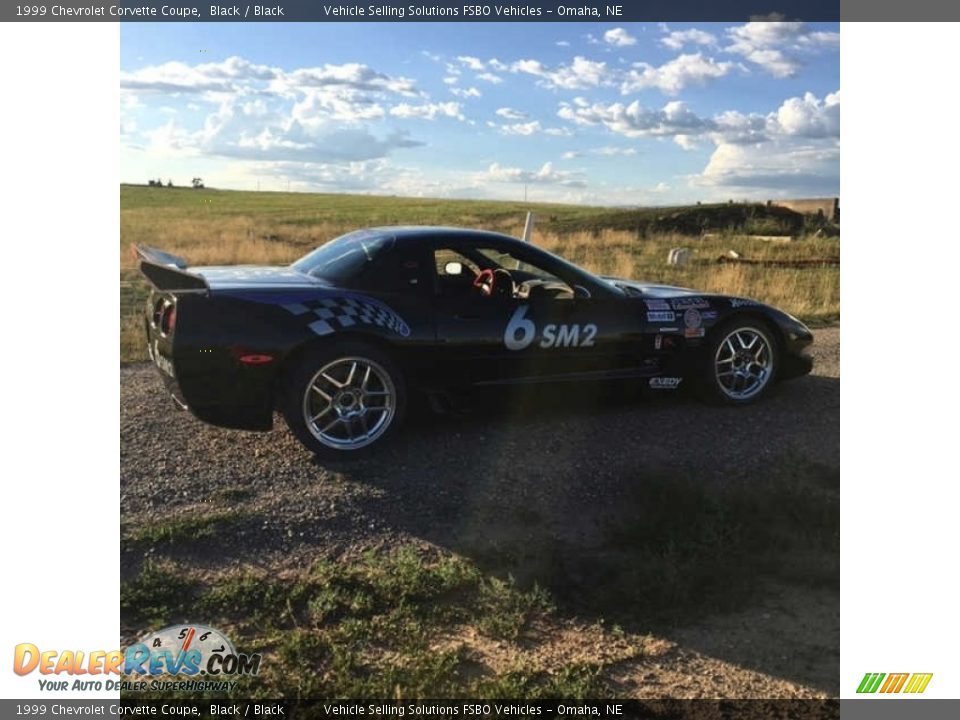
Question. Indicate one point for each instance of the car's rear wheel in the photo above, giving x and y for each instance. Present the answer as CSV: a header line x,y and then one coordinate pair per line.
x,y
742,362
343,401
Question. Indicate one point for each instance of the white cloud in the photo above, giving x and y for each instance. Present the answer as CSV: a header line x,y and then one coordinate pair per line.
x,y
676,75
470,92
782,167
490,78
807,117
497,65
528,128
354,76
318,105
471,62
775,46
511,114
451,80
794,149
810,117
618,37
678,39
563,43
546,175
634,120
581,73
428,111
612,150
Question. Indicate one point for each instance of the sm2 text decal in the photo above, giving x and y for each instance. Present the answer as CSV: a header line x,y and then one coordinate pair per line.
x,y
521,332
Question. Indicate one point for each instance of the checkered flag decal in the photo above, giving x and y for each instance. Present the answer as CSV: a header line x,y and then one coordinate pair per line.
x,y
328,315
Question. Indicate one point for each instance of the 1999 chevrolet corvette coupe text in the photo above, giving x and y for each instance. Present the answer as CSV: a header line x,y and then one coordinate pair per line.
x,y
336,340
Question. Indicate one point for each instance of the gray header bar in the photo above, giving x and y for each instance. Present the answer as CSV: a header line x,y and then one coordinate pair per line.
x,y
422,10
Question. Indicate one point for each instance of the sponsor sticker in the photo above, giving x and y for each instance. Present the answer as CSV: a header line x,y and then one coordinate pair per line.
x,y
709,315
694,332
661,316
657,304
690,302
665,383
742,302
692,318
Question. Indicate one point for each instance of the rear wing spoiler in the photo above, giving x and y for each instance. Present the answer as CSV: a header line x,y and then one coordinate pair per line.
x,y
166,271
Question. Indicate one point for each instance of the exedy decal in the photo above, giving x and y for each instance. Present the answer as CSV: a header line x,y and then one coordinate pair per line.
x,y
521,332
661,316
665,383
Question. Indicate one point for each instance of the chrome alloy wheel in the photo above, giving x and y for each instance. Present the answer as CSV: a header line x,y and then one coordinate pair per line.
x,y
349,403
744,363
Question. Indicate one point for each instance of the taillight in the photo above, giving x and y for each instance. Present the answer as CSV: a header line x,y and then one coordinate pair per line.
x,y
157,312
168,318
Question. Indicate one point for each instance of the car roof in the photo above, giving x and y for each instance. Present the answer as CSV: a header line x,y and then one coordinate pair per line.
x,y
402,232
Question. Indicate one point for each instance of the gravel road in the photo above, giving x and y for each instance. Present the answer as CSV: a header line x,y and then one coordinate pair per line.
x,y
443,474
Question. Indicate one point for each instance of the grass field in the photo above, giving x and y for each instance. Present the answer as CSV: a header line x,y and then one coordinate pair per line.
x,y
226,227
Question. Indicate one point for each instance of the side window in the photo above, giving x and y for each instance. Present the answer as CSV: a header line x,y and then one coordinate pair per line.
x,y
494,272
455,273
450,262
530,281
401,270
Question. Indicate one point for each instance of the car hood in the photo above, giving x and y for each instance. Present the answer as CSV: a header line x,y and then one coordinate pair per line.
x,y
235,277
654,290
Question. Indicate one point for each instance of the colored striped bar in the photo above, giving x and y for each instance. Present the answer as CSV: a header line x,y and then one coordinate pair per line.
x,y
918,682
870,682
894,682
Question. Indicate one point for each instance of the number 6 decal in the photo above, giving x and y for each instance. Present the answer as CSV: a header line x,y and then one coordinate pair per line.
x,y
521,332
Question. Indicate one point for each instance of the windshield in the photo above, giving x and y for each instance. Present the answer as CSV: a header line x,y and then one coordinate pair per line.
x,y
344,259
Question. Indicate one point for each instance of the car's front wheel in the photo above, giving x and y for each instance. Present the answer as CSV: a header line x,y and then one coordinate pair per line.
x,y
342,401
741,363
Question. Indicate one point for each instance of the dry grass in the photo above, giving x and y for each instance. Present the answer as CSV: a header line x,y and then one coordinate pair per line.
x,y
269,229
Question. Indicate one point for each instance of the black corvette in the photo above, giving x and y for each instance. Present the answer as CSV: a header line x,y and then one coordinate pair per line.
x,y
338,339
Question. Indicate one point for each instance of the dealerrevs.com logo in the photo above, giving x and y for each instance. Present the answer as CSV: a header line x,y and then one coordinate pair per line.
x,y
910,683
179,651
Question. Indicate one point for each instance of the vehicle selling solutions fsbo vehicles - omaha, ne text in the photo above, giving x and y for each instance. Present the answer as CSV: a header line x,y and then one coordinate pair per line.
x,y
338,339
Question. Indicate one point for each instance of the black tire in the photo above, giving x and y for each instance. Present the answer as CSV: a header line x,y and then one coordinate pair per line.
x,y
324,383
750,372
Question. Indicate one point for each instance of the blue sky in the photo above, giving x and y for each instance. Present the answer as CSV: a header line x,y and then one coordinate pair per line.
x,y
634,114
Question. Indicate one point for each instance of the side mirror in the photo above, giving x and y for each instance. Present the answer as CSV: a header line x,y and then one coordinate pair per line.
x,y
580,292
453,268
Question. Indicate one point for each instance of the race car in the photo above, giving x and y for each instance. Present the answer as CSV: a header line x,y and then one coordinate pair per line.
x,y
338,340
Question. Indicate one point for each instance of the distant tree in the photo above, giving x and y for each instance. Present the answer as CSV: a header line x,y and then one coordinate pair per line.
x,y
152,183
197,183
169,183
